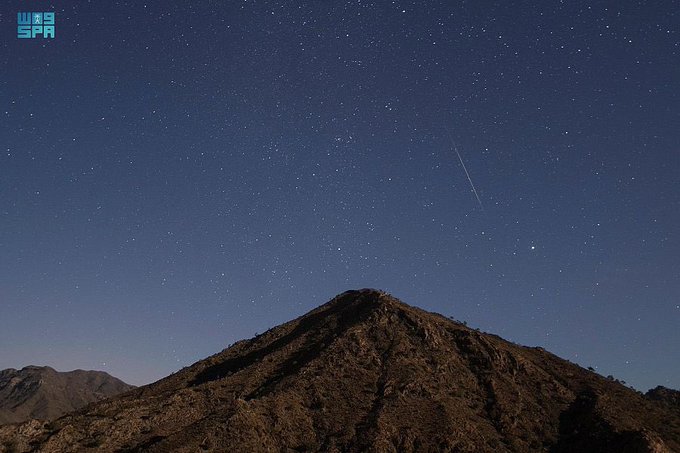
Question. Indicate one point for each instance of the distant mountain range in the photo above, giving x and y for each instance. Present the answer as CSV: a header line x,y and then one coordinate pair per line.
x,y
42,393
366,372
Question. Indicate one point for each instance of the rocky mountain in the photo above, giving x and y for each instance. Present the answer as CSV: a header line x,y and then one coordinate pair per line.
x,y
365,372
43,393
666,396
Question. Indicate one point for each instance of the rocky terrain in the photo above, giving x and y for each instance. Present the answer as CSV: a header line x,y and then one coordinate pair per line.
x,y
665,396
365,372
43,393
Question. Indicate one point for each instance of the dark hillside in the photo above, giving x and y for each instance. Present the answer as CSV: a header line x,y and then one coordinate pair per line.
x,y
366,372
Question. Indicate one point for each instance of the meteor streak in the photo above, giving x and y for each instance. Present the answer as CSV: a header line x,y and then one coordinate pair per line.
x,y
455,148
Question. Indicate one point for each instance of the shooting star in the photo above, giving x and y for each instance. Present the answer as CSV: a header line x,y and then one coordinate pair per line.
x,y
455,148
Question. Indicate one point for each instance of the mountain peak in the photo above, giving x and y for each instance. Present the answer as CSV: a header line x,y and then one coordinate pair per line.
x,y
366,372
361,305
29,368
369,298
318,329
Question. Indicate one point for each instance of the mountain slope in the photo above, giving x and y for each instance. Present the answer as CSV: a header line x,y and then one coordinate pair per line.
x,y
365,372
45,394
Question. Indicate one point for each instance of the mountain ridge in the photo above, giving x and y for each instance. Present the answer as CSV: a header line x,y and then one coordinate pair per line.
x,y
366,372
41,392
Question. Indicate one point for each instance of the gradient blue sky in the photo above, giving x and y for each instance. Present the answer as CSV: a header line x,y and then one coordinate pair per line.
x,y
174,178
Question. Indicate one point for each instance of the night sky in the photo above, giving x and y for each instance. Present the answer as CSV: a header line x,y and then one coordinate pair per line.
x,y
177,178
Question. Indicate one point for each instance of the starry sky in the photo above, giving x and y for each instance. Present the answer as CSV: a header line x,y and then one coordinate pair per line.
x,y
177,176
